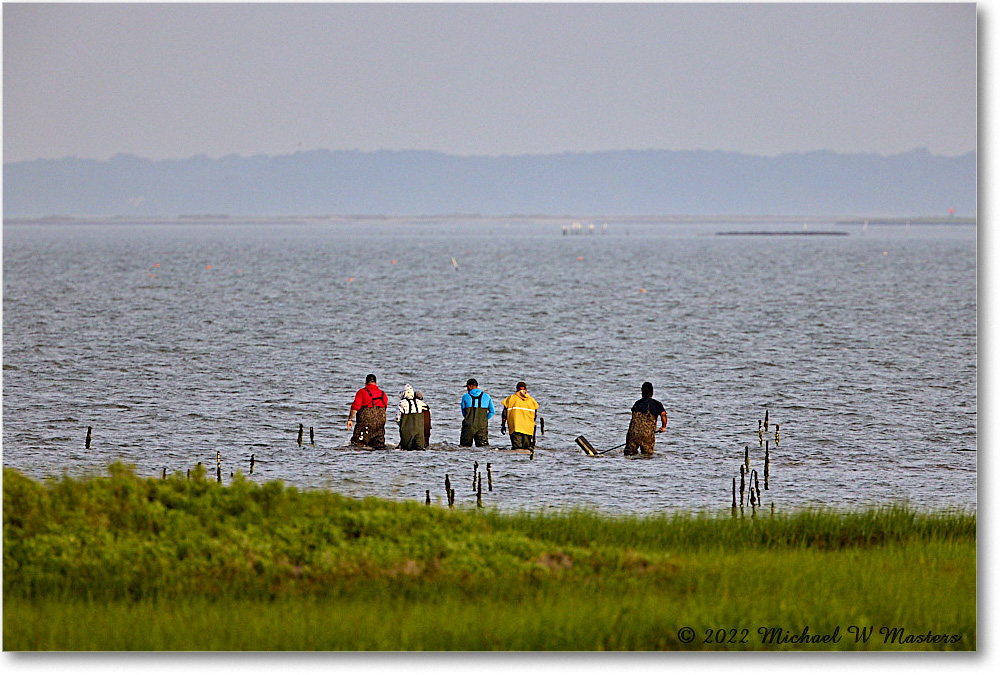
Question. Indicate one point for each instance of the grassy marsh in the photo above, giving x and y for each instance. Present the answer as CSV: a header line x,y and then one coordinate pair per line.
x,y
127,563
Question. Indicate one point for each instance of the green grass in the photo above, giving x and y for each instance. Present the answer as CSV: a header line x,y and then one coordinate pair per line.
x,y
125,563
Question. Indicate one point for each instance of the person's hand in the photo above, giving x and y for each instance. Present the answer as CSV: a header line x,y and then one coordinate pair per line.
x,y
350,423
503,429
661,429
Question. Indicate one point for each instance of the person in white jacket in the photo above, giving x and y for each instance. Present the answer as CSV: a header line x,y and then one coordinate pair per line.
x,y
410,418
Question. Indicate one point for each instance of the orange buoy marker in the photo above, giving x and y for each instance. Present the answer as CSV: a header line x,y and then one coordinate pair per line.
x,y
642,290
579,258
392,262
208,267
349,279
156,265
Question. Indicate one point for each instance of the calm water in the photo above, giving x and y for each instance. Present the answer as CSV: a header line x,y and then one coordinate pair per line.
x,y
862,348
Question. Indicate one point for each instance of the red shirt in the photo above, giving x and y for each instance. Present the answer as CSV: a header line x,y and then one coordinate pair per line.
x,y
369,397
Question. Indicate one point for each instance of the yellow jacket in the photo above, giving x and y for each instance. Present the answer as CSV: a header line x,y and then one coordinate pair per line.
x,y
521,413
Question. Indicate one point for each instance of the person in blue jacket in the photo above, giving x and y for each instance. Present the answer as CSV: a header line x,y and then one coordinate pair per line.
x,y
477,409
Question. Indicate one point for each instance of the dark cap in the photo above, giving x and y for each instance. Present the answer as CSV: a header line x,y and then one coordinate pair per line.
x,y
370,378
521,385
472,382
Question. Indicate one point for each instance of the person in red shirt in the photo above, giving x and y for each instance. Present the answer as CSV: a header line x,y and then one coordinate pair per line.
x,y
369,405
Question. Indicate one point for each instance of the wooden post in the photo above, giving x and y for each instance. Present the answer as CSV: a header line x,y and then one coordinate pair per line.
x,y
767,466
218,462
475,472
447,488
765,420
428,499
451,498
760,432
734,493
746,456
489,475
300,435
87,444
756,486
164,473
189,474
742,486
542,421
251,464
479,493
312,437
776,436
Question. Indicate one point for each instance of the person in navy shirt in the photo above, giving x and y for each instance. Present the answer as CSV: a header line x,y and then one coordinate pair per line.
x,y
641,436
477,409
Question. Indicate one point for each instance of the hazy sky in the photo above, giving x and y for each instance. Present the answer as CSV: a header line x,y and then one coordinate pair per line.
x,y
172,81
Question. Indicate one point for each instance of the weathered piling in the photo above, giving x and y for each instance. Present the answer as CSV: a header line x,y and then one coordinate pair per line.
x,y
428,498
746,456
734,493
251,464
767,466
742,485
300,435
475,472
164,473
447,488
218,465
765,420
776,435
760,432
87,444
312,437
489,475
451,498
541,421
479,493
756,486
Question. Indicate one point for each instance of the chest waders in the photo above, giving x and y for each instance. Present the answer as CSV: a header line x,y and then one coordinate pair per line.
x,y
475,425
369,430
411,428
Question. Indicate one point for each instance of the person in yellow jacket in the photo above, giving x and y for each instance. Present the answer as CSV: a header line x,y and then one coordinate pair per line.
x,y
519,409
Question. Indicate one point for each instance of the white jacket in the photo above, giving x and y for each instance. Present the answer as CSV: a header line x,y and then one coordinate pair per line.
x,y
408,404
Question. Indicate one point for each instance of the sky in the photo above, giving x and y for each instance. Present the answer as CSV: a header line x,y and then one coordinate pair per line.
x,y
174,81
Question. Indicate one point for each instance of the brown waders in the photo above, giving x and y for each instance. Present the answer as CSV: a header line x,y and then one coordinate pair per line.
x,y
369,430
641,434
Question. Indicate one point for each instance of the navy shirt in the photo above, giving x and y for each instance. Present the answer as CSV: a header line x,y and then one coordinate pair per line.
x,y
648,405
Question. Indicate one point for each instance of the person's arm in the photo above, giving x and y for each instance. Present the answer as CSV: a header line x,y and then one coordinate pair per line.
x,y
355,406
492,410
663,416
503,420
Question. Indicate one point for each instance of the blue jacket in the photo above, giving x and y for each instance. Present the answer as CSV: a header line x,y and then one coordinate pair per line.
x,y
487,402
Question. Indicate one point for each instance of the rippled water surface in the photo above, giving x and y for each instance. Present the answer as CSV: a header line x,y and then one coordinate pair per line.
x,y
177,341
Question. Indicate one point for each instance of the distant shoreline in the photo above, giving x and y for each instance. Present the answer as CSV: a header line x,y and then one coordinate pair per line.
x,y
333,219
